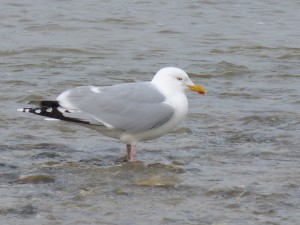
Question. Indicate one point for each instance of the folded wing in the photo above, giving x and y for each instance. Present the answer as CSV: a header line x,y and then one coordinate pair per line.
x,y
129,107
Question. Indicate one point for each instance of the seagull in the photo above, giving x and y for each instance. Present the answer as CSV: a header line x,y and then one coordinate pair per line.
x,y
130,112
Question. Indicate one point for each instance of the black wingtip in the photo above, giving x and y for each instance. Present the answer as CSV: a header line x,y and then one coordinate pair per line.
x,y
53,112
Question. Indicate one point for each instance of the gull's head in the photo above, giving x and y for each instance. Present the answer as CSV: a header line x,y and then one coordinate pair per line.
x,y
174,79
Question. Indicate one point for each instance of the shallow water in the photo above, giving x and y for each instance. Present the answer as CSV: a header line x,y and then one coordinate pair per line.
x,y
234,160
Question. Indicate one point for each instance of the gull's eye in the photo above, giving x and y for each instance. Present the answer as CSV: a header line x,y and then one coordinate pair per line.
x,y
179,78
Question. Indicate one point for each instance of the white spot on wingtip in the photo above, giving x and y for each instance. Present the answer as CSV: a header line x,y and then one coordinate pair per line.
x,y
26,110
20,110
49,110
38,111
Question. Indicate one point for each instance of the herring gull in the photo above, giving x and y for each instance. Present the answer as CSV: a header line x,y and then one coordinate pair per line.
x,y
130,112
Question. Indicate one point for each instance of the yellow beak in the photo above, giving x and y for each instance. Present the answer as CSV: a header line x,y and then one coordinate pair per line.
x,y
197,88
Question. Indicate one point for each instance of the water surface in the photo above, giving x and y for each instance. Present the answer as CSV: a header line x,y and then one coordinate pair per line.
x,y
234,160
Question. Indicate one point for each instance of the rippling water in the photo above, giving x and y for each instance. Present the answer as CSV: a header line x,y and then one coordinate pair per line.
x,y
234,160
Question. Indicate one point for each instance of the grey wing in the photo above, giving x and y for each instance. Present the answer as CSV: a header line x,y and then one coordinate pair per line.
x,y
129,107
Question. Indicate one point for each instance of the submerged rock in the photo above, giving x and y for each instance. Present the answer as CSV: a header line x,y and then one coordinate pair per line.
x,y
166,167
158,181
122,191
36,179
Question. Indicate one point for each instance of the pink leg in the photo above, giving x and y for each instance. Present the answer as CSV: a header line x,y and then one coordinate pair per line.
x,y
131,152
